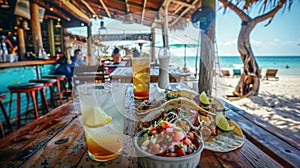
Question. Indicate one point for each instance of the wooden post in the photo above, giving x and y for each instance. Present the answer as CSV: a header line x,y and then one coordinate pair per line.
x,y
36,27
165,27
153,44
90,56
51,37
22,46
207,55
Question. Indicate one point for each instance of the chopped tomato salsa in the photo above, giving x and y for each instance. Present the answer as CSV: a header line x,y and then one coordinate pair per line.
x,y
167,139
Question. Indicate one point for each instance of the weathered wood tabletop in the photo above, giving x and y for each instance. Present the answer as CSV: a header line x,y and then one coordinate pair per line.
x,y
57,140
124,74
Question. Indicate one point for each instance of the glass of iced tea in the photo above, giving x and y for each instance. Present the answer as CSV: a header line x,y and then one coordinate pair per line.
x,y
141,77
102,121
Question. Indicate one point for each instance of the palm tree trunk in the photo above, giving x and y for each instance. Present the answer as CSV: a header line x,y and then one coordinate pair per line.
x,y
249,80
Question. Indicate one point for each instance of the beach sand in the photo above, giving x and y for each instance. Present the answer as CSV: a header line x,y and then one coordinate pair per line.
x,y
278,102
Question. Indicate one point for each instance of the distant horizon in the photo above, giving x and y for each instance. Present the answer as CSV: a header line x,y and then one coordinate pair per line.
x,y
239,55
262,55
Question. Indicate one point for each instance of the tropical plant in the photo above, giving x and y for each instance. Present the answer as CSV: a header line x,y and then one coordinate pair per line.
x,y
249,82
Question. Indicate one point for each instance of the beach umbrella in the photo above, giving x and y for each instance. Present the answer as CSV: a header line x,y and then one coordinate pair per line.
x,y
185,46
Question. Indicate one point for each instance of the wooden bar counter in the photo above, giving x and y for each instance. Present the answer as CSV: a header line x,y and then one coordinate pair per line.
x,y
57,140
26,63
19,73
36,64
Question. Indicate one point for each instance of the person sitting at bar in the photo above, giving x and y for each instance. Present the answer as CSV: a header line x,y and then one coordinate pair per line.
x,y
77,58
8,49
116,56
12,47
65,67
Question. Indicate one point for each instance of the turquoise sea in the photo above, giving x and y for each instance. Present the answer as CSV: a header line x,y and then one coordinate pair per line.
x,y
234,62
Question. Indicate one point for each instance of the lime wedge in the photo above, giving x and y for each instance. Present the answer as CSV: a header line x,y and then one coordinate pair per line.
x,y
95,118
222,123
203,98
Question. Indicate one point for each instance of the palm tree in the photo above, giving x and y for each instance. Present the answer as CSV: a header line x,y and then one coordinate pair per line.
x,y
249,81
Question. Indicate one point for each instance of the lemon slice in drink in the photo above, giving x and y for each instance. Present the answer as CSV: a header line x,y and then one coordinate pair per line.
x,y
203,98
96,117
222,123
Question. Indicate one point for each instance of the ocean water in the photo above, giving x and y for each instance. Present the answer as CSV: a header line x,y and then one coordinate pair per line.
x,y
235,62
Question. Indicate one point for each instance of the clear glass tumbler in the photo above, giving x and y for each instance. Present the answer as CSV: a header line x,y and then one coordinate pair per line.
x,y
102,121
141,77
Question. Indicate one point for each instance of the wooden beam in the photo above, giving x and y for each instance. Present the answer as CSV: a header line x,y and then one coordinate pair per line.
x,y
163,7
21,37
75,11
51,17
165,29
184,4
178,9
105,8
132,4
91,59
153,45
183,13
51,37
36,27
79,6
56,11
89,7
127,6
143,11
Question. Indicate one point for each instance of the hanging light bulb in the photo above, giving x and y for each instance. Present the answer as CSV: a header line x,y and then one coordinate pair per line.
x,y
58,23
102,27
115,14
128,19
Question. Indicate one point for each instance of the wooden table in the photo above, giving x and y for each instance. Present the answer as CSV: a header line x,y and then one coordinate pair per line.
x,y
57,140
124,74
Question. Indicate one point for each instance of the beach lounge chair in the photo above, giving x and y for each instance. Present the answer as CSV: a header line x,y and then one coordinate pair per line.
x,y
225,73
271,73
236,73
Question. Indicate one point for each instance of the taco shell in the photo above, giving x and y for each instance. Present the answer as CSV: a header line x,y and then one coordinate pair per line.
x,y
225,141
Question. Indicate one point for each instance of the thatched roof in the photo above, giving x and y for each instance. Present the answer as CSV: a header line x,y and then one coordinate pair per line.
x,y
146,12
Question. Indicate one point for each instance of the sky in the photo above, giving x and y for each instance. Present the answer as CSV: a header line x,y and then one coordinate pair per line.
x,y
280,38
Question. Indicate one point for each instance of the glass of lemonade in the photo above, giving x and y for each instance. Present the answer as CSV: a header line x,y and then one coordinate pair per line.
x,y
102,121
141,77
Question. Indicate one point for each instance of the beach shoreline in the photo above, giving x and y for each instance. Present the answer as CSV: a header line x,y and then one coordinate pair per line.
x,y
235,62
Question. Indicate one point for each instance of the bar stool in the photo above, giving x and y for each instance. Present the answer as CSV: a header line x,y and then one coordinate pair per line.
x,y
61,88
26,88
2,96
47,83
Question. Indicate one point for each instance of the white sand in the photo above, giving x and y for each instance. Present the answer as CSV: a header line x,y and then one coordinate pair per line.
x,y
278,102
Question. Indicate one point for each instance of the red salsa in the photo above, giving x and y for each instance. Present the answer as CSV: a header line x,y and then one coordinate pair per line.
x,y
167,139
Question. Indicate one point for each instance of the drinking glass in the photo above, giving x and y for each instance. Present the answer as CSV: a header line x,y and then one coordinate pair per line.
x,y
141,77
102,121
164,59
